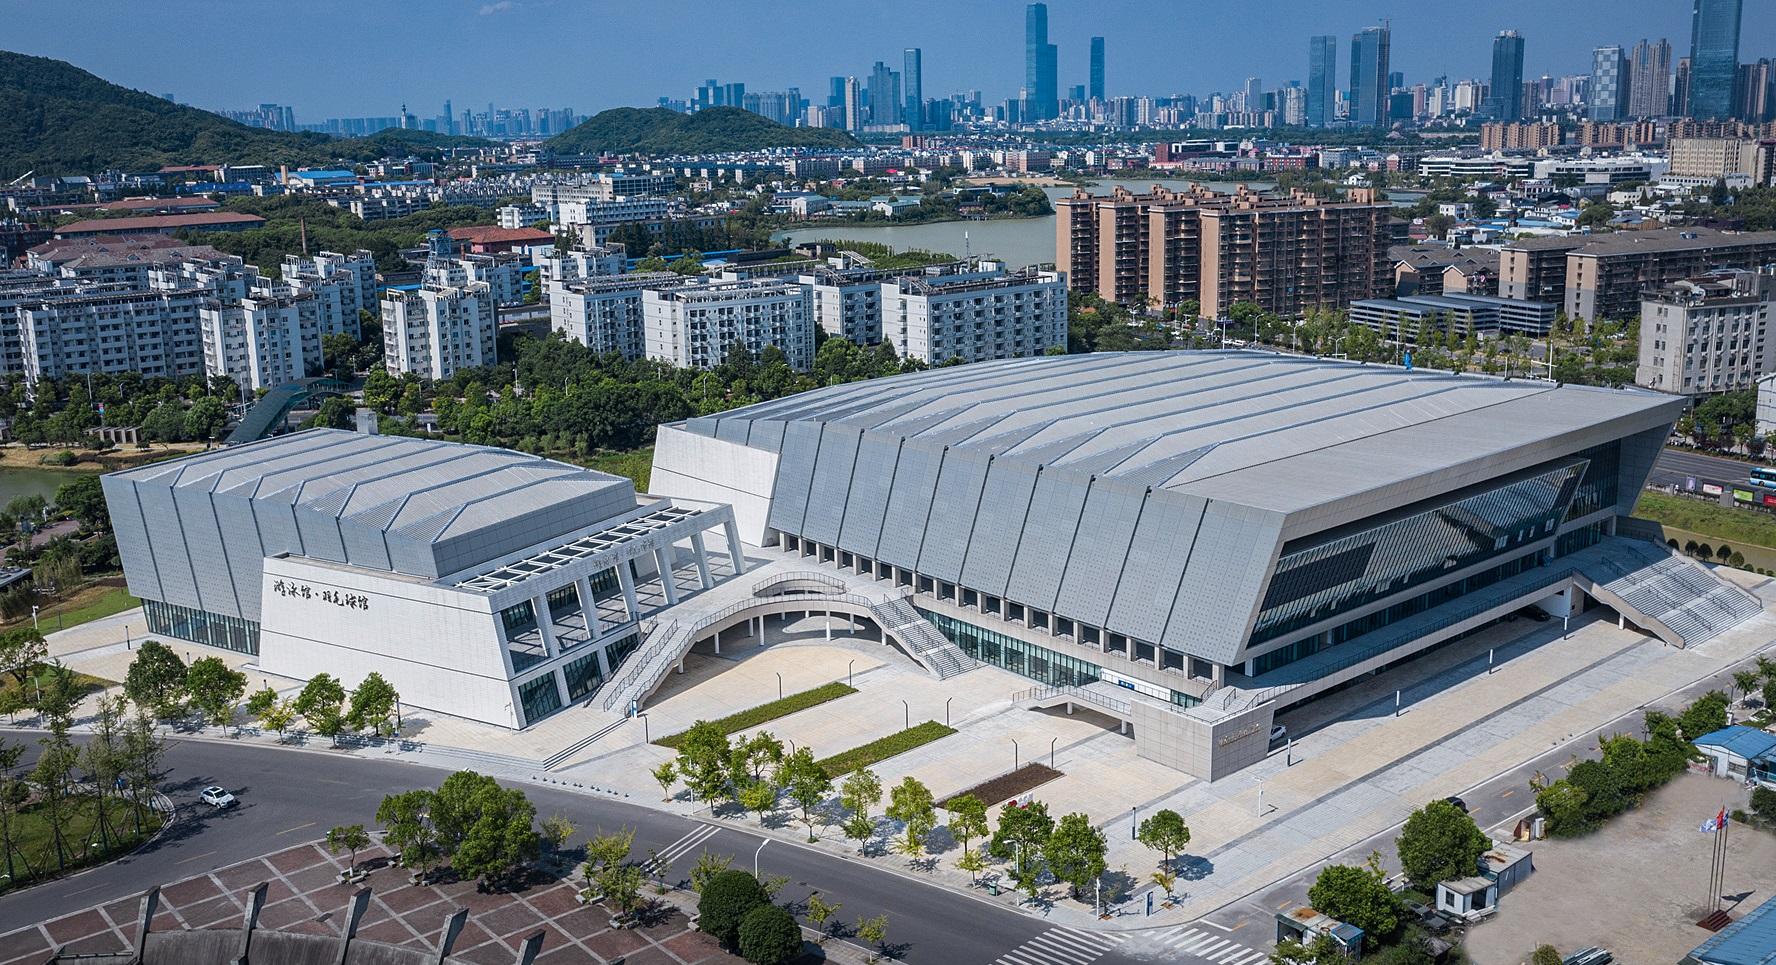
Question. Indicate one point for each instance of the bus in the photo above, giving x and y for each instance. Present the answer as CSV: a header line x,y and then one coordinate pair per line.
x,y
1763,477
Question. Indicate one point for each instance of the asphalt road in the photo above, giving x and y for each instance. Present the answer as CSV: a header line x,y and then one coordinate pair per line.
x,y
1675,466
290,796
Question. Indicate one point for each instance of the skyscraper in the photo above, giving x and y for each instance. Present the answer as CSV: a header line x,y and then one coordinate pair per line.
x,y
1254,94
1714,56
1369,77
1649,79
1322,79
1096,88
1504,100
1609,84
835,92
1680,88
853,105
884,95
912,87
1040,68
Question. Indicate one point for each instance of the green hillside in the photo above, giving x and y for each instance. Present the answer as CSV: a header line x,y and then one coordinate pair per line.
x,y
59,119
656,130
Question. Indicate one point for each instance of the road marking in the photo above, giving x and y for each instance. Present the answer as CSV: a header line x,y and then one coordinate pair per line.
x,y
1061,945
680,848
1509,793
297,827
194,857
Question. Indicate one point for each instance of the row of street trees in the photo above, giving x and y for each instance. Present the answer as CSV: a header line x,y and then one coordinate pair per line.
x,y
160,681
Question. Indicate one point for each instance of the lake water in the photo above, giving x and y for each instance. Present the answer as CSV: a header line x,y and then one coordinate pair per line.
x,y
1019,242
29,482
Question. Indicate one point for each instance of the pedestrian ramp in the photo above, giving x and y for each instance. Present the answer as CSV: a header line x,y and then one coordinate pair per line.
x,y
1203,944
1061,946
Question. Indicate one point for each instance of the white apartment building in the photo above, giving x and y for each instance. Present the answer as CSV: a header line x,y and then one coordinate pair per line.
x,y
514,216
154,332
604,313
257,343
975,318
619,211
433,332
1708,335
303,272
606,186
693,325
847,298
553,265
502,272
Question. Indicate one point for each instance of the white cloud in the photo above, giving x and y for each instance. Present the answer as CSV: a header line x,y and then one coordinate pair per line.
x,y
488,9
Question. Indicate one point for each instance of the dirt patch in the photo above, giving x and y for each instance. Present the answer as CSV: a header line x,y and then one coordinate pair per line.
x,y
1635,887
1007,786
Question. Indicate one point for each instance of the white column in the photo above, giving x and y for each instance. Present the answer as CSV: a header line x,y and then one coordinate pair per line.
x,y
718,643
589,608
829,625
626,580
663,562
545,624
736,554
702,560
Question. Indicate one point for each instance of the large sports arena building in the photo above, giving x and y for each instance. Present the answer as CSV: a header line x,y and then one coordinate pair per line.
x,y
1187,542
1194,540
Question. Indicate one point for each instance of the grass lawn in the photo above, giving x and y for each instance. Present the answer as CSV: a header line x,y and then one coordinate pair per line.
x,y
880,749
1709,519
637,464
34,846
101,598
754,716
87,683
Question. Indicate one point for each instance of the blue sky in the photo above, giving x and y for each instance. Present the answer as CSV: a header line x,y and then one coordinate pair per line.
x,y
366,57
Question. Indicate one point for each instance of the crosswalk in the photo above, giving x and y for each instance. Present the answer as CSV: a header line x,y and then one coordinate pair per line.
x,y
1208,945
1061,946
663,860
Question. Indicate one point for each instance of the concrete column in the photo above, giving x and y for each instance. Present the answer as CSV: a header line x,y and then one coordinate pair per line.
x,y
354,914
702,560
250,920
718,643
589,608
545,624
626,580
736,554
829,625
663,560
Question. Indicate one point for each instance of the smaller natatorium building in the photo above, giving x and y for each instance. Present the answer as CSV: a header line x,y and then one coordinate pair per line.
x,y
483,583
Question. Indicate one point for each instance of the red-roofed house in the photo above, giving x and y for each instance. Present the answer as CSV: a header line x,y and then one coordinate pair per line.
x,y
164,224
487,239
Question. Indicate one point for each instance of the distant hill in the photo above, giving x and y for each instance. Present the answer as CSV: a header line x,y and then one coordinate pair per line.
x,y
59,119
656,130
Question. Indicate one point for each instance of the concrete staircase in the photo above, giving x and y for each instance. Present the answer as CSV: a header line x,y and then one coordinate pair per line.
x,y
923,641
1668,592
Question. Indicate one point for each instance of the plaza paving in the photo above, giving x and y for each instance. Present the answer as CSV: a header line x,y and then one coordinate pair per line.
x,y
304,896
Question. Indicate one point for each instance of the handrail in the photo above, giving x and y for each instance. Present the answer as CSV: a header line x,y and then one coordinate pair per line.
x,y
806,576
1045,691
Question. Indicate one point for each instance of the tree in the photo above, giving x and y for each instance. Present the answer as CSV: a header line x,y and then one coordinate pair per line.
x,y
1563,804
407,827
14,792
860,792
1745,681
707,866
261,702
912,805
84,499
820,911
557,830
279,716
155,679
322,692
215,689
372,704
1359,896
348,837
703,760
968,820
1440,842
1022,831
1706,715
488,830
1075,852
1322,951
758,796
807,783
1545,955
22,651
205,418
725,902
1164,831
665,775
874,931
769,936
1763,803
1769,692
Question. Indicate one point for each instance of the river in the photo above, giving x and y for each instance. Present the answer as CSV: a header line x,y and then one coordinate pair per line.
x,y
30,482
1018,242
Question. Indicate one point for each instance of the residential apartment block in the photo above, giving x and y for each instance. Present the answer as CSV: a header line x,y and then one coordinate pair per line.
x,y
999,316
604,313
1596,277
1706,335
1739,161
693,325
1285,253
433,332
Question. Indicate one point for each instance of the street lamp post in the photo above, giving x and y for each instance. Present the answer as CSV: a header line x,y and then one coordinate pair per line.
x,y
848,665
755,856
906,711
779,686
1014,754
1051,751
947,710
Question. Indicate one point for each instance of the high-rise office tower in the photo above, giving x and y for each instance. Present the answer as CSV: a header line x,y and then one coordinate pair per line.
x,y
1096,87
1254,94
1609,84
1322,79
1040,83
835,92
1714,56
1504,100
912,87
1649,79
1680,88
853,104
447,120
1369,77
1751,92
884,95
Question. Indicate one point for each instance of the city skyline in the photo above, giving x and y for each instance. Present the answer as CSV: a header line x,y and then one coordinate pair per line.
x,y
1139,61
